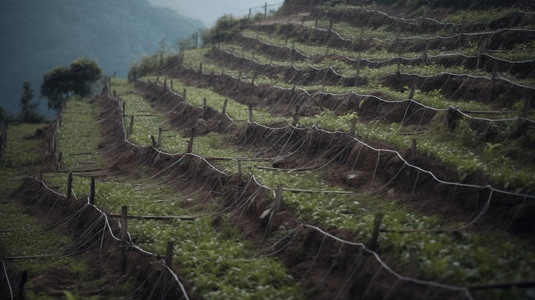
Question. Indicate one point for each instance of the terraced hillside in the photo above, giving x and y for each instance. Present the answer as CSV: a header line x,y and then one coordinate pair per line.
x,y
325,152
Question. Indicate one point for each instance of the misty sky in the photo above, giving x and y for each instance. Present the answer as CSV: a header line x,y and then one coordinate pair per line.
x,y
209,10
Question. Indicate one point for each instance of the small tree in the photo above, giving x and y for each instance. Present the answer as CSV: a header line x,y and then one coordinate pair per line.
x,y
62,82
84,73
28,106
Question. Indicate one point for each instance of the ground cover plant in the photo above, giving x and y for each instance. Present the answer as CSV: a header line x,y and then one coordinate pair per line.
x,y
196,238
334,189
331,212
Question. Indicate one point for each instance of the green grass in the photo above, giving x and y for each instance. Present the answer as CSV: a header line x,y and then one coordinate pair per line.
x,y
235,110
20,233
218,263
83,140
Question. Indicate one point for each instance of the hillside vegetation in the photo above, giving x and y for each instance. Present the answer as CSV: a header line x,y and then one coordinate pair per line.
x,y
37,36
339,151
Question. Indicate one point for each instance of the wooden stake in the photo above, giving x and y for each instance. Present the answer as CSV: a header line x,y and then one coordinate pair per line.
x,y
527,105
250,113
190,143
115,94
92,191
22,282
295,116
224,110
69,185
353,127
171,85
59,161
204,104
124,228
330,31
169,254
124,108
375,234
159,143
249,16
413,87
165,84
124,238
153,141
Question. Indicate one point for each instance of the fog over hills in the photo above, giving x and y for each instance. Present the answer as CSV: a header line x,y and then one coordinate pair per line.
x,y
208,11
39,35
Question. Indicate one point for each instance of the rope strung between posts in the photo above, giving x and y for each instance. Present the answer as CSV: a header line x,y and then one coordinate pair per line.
x,y
7,279
365,96
112,235
463,290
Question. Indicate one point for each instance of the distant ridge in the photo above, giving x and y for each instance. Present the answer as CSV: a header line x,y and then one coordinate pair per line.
x,y
39,35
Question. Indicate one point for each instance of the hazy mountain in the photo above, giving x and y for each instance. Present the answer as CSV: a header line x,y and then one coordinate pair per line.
x,y
37,35
208,11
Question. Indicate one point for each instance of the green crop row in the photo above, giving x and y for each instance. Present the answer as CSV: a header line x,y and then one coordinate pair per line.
x,y
355,212
496,167
22,235
201,253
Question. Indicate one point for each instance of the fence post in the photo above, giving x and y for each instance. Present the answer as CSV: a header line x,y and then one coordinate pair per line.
x,y
169,254
159,143
224,110
295,116
375,234
265,10
131,125
249,17
353,126
69,185
250,113
330,31
171,84
190,143
124,108
92,191
165,83
124,238
527,105
60,154
413,87
424,54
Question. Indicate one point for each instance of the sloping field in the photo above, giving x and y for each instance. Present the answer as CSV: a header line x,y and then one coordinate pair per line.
x,y
326,152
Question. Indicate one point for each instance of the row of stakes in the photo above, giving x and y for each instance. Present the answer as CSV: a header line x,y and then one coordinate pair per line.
x,y
276,207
